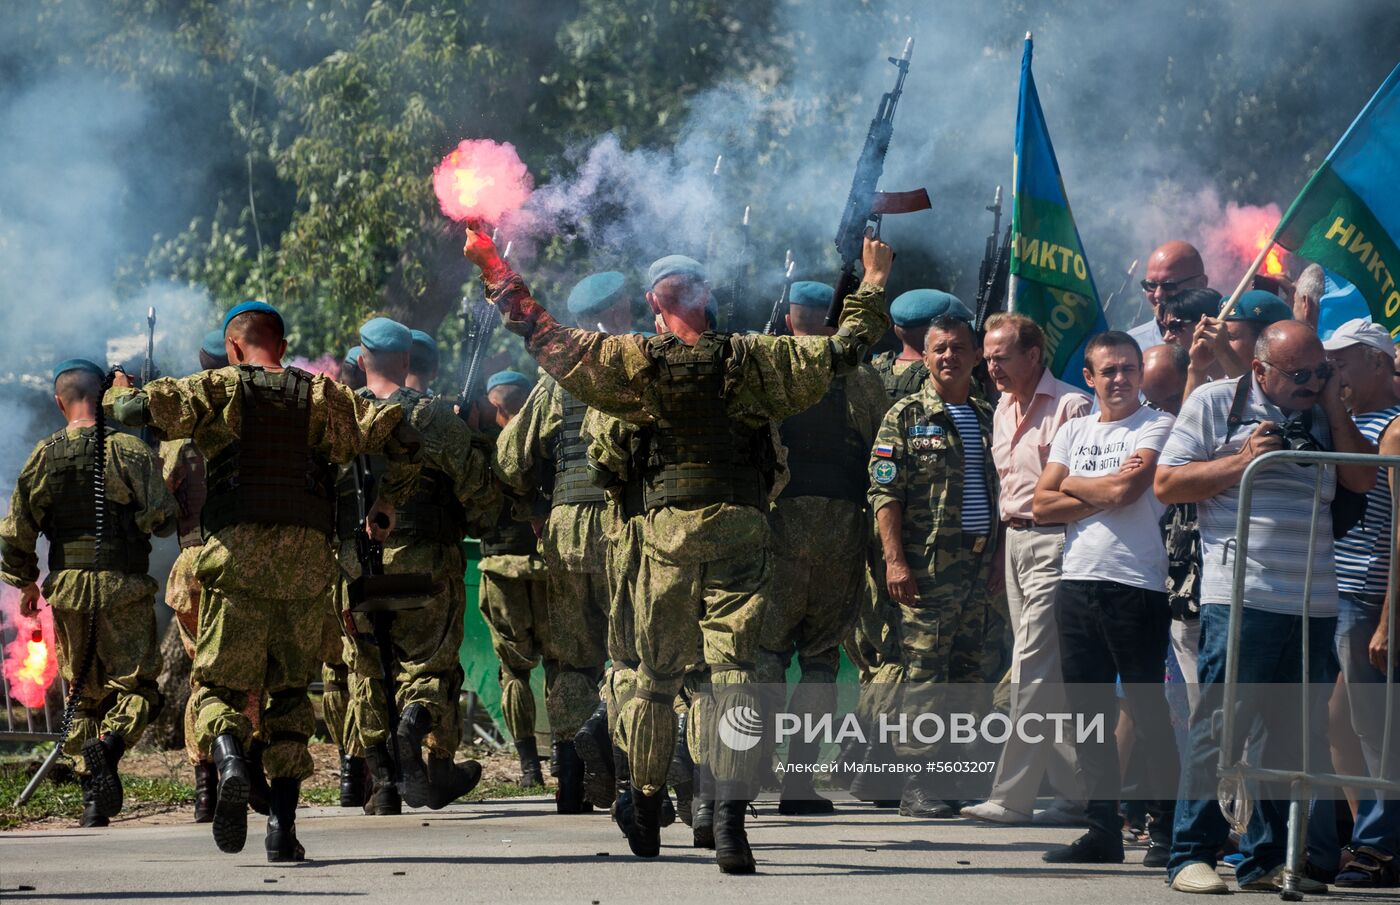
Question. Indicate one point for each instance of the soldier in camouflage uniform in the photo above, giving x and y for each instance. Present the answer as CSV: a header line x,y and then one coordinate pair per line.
x,y
934,491
873,645
513,594
454,486
270,436
547,434
183,469
103,600
707,401
820,530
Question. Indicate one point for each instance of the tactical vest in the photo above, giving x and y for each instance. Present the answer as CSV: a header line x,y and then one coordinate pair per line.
x,y
432,514
908,381
826,457
270,475
696,454
509,537
70,524
572,481
193,491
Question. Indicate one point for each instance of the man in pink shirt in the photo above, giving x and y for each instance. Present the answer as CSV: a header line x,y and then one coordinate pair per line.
x,y
1033,406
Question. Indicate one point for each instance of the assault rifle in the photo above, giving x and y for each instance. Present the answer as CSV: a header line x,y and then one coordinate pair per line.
x,y
780,307
865,205
478,327
992,276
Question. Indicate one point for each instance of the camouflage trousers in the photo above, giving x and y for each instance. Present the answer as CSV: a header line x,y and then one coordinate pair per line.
x,y
335,681
624,557
715,607
514,605
246,644
119,694
873,644
578,628
426,642
943,635
182,596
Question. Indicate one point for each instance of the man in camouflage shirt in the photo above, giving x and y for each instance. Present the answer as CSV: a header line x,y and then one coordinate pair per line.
x,y
270,435
933,489
708,401
103,599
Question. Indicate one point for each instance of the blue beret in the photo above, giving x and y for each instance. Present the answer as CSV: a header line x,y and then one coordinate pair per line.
x,y
352,355
253,305
423,340
811,294
672,265
596,293
1261,307
77,364
507,378
213,344
381,334
919,307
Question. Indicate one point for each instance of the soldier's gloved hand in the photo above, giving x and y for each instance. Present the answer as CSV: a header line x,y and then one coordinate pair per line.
x,y
481,251
29,598
900,582
380,521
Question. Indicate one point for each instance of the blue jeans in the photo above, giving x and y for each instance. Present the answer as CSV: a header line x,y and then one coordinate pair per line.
x,y
1271,652
1377,817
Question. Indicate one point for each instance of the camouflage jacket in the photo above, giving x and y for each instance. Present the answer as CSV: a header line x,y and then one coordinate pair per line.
x,y
899,378
918,462
133,476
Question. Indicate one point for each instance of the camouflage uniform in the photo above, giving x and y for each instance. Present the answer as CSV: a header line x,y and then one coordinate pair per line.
x,y
454,486
917,462
547,433
704,573
53,496
513,603
267,568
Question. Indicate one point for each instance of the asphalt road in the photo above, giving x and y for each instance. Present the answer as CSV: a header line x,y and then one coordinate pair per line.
x,y
518,850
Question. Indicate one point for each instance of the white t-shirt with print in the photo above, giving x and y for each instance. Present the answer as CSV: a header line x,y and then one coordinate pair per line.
x,y
1124,544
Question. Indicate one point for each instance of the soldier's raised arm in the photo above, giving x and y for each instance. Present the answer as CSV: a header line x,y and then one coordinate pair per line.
x,y
173,408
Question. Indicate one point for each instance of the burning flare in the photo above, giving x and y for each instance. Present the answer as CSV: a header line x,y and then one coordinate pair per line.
x,y
1273,264
30,666
481,180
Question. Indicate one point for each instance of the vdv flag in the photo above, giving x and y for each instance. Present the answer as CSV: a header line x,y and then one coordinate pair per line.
x,y
1347,218
1051,280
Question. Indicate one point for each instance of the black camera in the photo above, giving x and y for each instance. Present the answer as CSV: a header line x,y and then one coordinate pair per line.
x,y
1296,436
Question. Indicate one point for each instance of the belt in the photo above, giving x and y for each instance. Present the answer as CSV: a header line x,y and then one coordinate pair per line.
x,y
974,542
1020,524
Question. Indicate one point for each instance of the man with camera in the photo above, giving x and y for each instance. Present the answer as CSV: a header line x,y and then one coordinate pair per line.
x,y
1287,400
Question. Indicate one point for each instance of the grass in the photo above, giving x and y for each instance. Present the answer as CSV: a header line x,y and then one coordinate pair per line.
x,y
59,795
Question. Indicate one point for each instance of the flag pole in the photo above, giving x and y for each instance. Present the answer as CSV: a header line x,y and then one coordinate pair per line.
x,y
1229,306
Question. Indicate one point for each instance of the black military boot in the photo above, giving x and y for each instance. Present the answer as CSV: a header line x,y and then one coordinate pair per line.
x,y
644,835
594,748
382,797
352,781
231,809
622,802
414,726
918,801
568,798
206,782
530,773
732,851
702,810
681,775
258,792
91,819
101,756
282,844
450,781
800,798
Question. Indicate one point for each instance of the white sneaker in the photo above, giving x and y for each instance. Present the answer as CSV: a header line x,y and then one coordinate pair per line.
x,y
992,812
1060,813
1199,878
1273,882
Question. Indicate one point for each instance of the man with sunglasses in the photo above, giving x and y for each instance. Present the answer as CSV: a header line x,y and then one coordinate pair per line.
x,y
1172,269
1223,427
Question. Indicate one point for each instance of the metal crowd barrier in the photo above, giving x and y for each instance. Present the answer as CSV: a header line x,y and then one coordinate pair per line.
x,y
1301,781
33,724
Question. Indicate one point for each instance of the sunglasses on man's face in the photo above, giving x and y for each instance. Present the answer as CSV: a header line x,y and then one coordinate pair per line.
x,y
1301,376
1170,287
1175,325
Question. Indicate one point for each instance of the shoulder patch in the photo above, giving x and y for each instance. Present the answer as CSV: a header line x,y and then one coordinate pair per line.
x,y
884,450
885,472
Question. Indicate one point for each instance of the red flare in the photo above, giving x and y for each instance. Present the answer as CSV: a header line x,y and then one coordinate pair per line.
x,y
30,664
481,180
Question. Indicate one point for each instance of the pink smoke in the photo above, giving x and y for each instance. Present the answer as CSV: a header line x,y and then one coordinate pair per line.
x,y
481,180
326,365
31,663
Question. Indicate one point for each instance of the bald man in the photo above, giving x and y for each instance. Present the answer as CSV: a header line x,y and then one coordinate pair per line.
x,y
1172,268
1164,369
